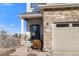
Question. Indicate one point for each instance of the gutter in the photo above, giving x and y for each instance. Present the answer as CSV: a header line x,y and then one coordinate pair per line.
x,y
58,5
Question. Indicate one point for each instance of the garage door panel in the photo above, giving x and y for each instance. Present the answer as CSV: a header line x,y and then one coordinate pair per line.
x,y
66,38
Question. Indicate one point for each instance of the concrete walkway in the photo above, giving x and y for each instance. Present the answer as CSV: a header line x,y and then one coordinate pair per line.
x,y
22,51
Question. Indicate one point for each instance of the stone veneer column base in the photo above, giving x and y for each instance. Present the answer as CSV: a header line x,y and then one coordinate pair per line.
x,y
22,39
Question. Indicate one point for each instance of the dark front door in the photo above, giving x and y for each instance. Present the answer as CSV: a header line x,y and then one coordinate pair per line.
x,y
35,31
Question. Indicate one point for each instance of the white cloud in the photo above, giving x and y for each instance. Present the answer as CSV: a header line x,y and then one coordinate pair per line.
x,y
2,27
7,4
10,29
2,15
12,25
7,28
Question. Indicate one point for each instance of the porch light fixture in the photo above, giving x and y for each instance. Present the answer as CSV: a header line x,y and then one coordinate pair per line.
x,y
47,23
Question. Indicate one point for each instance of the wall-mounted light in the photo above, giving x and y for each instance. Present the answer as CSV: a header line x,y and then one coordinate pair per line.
x,y
47,23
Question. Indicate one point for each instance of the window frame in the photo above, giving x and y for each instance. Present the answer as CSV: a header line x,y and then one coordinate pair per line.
x,y
75,24
61,25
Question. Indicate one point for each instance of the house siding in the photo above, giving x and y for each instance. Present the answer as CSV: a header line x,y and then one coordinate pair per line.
x,y
50,16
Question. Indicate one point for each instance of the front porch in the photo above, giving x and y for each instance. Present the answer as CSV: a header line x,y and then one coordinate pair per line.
x,y
34,27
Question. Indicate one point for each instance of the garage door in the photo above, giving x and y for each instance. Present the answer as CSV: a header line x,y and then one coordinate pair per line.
x,y
66,36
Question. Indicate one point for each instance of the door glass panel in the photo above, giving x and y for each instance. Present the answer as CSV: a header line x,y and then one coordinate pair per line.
x,y
35,31
34,28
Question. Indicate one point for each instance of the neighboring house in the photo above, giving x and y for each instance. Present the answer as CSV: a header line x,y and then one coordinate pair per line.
x,y
56,24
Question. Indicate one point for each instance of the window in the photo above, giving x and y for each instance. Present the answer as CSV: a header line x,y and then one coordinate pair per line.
x,y
62,25
35,6
75,25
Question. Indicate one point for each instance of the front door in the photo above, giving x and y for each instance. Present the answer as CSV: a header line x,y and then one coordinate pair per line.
x,y
35,31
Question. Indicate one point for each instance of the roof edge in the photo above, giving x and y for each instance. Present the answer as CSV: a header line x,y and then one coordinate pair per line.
x,y
58,5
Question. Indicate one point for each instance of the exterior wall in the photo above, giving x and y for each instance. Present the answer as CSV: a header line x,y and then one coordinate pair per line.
x,y
58,15
36,21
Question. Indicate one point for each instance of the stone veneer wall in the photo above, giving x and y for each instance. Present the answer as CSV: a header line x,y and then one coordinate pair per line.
x,y
57,15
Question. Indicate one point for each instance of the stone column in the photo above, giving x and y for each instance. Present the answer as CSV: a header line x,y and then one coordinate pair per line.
x,y
47,41
47,32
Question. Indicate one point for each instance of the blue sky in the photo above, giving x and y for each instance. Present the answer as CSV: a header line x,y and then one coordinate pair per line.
x,y
9,19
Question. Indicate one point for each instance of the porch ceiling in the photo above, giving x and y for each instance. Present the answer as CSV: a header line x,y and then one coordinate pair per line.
x,y
31,15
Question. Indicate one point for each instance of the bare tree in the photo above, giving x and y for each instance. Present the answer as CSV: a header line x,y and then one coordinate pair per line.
x,y
3,34
15,35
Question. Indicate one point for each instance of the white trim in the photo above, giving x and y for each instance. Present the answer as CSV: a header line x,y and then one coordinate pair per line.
x,y
22,26
50,5
29,9
70,24
31,15
52,36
